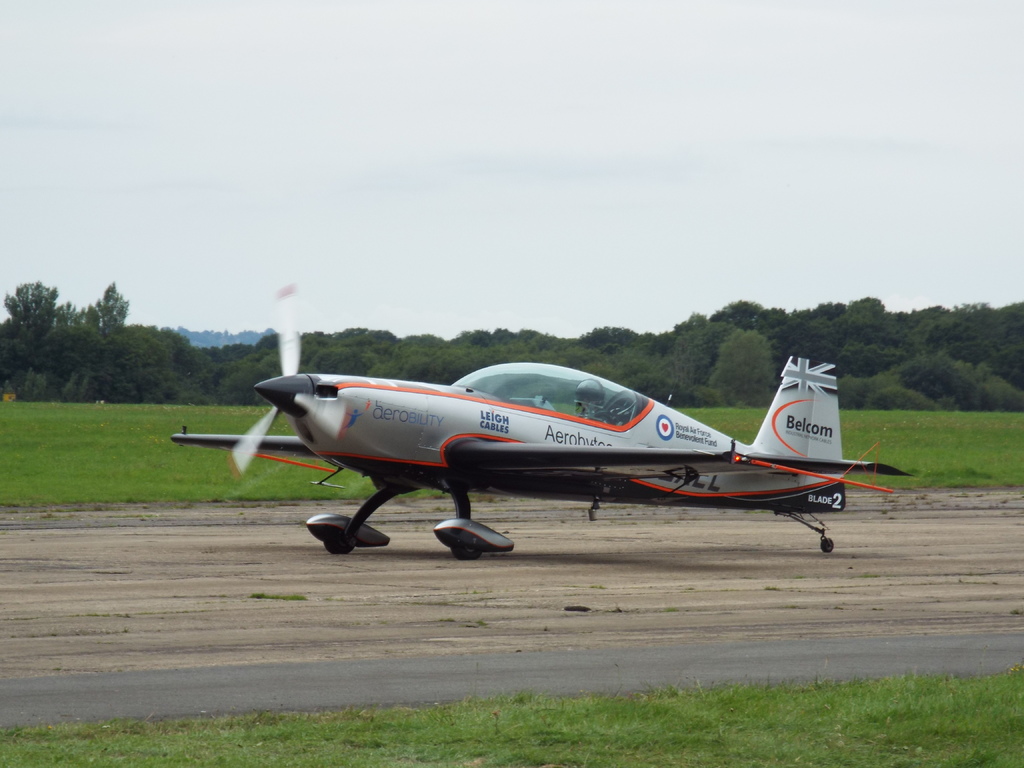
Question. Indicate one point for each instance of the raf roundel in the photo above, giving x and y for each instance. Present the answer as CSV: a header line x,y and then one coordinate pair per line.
x,y
665,428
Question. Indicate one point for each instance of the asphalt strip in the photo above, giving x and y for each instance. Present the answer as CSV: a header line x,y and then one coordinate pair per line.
x,y
413,682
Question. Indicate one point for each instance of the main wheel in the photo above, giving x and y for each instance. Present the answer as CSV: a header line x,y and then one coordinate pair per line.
x,y
338,544
826,544
465,553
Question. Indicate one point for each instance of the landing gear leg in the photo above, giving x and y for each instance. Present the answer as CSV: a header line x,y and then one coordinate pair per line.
x,y
341,534
463,511
460,496
371,505
827,545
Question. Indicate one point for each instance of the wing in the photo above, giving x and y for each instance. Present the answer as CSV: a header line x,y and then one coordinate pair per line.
x,y
288,446
475,454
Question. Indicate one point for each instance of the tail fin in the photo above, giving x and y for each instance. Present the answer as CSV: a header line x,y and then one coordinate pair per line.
x,y
803,420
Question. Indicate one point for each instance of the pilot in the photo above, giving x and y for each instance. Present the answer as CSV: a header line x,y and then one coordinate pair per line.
x,y
589,398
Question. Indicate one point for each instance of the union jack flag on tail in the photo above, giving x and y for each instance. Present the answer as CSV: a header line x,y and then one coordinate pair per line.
x,y
809,376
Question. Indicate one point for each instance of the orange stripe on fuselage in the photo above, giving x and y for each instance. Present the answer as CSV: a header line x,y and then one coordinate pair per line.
x,y
510,406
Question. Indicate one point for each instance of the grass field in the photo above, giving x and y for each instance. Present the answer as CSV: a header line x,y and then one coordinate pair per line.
x,y
58,454
101,454
891,723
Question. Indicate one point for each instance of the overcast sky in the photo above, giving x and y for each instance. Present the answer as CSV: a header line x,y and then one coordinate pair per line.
x,y
561,165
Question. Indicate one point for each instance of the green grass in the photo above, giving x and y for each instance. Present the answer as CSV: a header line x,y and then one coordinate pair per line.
x,y
891,723
95,454
58,454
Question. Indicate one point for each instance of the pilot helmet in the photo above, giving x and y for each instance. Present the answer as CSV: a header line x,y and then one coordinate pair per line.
x,y
590,392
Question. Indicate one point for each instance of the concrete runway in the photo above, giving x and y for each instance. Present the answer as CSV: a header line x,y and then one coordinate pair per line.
x,y
155,612
318,686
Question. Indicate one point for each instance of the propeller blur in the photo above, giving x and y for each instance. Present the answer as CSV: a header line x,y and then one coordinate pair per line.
x,y
288,347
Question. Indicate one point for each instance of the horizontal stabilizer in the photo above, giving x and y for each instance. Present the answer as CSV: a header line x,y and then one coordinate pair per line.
x,y
832,466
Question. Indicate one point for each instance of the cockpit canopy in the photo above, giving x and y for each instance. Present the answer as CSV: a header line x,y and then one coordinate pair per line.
x,y
555,388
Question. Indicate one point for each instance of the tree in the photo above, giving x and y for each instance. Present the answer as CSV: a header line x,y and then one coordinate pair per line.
x,y
608,340
745,315
745,373
109,313
693,357
938,377
33,313
971,357
33,309
112,309
34,387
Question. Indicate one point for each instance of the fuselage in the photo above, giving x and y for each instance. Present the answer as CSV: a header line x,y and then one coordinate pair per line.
x,y
398,432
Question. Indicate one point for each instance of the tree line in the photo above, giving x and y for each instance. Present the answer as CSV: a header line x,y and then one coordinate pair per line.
x,y
970,357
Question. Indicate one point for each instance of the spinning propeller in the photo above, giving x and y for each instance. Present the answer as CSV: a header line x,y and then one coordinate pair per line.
x,y
289,348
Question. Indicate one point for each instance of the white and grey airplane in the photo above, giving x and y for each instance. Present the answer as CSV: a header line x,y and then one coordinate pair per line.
x,y
544,431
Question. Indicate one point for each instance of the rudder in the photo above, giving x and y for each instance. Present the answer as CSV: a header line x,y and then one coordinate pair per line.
x,y
803,420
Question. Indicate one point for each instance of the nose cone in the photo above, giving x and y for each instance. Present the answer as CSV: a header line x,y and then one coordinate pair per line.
x,y
281,392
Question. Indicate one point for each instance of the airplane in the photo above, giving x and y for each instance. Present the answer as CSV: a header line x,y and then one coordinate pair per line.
x,y
545,431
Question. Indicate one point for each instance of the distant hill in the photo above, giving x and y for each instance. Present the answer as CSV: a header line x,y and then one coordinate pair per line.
x,y
221,338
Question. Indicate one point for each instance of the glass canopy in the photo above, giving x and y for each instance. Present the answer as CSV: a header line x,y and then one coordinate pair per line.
x,y
555,388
